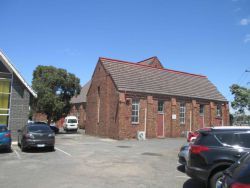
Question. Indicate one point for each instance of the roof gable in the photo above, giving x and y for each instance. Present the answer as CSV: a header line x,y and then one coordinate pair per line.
x,y
152,62
13,70
136,77
82,97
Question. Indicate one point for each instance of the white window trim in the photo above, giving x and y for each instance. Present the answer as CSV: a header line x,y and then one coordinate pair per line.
x,y
133,122
203,106
184,112
220,110
98,104
161,112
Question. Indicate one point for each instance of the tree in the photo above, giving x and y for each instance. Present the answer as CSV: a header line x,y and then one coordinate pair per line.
x,y
54,88
241,98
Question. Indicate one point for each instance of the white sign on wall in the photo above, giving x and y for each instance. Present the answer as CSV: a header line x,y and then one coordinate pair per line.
x,y
173,116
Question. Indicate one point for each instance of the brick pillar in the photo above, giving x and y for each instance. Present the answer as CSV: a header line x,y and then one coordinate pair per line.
x,y
122,116
150,133
212,113
195,120
225,114
173,121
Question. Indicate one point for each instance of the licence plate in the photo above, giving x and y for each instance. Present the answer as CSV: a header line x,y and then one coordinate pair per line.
x,y
40,145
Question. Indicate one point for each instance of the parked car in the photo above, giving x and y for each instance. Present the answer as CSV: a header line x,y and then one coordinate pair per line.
x,y
183,154
184,151
54,128
70,123
36,136
238,175
52,125
215,150
5,138
192,136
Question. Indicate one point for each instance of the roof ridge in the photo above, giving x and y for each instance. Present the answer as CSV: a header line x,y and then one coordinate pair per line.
x,y
154,57
163,69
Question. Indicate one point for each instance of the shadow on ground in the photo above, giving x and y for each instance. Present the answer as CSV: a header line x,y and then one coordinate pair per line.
x,y
181,168
191,183
68,132
3,151
39,150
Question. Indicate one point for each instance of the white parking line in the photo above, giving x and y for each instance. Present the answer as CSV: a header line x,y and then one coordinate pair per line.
x,y
17,154
63,151
186,177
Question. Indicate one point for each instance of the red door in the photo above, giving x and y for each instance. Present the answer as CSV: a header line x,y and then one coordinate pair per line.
x,y
201,120
160,126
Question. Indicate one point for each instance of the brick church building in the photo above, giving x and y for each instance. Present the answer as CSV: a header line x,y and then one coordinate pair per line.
x,y
126,97
78,106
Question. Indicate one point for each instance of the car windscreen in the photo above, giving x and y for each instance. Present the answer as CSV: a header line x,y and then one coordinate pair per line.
x,y
3,129
234,139
39,128
72,121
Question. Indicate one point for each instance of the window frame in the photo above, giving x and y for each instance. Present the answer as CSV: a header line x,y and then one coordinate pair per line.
x,y
218,110
4,94
98,103
162,107
182,113
136,103
202,106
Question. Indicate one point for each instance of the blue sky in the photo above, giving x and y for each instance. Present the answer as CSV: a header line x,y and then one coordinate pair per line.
x,y
209,37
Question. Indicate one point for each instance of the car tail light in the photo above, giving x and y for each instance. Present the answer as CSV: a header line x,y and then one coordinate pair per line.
x,y
7,135
240,185
196,149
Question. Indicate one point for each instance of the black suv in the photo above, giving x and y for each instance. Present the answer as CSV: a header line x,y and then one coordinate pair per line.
x,y
214,150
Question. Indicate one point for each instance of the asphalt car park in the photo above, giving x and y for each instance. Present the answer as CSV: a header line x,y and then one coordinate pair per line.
x,y
85,161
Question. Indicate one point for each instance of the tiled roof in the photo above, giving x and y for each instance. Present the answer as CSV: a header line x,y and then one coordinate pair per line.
x,y
150,60
81,98
141,78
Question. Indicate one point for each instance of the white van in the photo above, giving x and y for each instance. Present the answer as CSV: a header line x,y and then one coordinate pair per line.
x,y
70,123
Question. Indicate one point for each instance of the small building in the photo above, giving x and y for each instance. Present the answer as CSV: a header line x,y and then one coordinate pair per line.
x,y
126,97
78,105
15,96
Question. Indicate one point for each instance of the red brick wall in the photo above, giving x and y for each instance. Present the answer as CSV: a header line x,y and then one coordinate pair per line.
x,y
79,110
109,106
116,110
39,117
172,127
43,117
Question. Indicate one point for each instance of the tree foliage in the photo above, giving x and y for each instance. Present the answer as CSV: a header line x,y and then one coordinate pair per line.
x,y
241,98
54,88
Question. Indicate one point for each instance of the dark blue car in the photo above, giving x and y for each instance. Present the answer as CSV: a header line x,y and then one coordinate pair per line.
x,y
238,175
5,138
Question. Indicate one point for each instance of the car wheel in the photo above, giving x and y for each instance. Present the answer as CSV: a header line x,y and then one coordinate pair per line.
x,y
23,148
9,149
216,180
52,148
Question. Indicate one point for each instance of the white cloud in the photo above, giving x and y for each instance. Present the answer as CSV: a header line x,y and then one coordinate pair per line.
x,y
245,21
247,38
